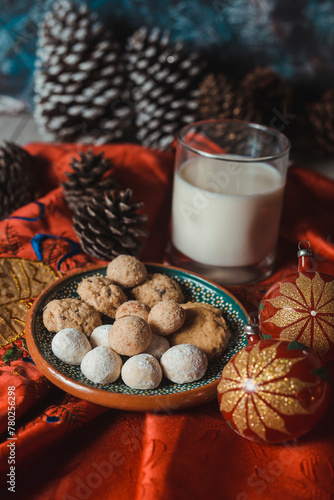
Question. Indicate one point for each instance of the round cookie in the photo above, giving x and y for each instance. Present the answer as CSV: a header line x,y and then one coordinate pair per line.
x,y
158,346
70,313
204,327
142,372
70,346
102,365
166,317
100,335
133,308
126,271
102,294
130,335
155,288
184,363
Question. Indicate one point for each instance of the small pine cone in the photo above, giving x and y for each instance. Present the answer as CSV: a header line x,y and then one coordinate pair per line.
x,y
217,98
88,179
16,186
164,87
79,78
264,91
111,226
321,118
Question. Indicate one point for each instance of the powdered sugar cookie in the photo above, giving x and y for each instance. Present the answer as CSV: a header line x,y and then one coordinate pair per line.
x,y
158,346
184,363
142,372
102,365
99,336
70,346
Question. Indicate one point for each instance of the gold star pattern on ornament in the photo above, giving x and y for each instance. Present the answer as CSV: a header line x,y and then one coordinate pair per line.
x,y
256,390
21,280
306,312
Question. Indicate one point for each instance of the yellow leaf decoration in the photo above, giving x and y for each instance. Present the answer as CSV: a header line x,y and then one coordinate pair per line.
x,y
21,280
306,312
259,393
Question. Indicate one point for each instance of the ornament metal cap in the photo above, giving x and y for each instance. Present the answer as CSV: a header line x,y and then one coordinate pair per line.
x,y
253,325
306,251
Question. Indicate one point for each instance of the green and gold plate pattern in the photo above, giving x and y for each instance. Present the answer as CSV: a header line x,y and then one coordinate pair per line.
x,y
195,288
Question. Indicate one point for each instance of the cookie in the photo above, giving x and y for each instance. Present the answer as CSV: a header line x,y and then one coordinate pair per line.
x,y
70,313
166,317
70,346
155,288
184,363
142,372
102,294
204,327
158,346
102,365
133,308
130,335
100,335
126,271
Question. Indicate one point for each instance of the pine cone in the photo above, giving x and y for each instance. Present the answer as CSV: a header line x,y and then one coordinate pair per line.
x,y
217,97
16,186
110,227
88,180
321,118
79,78
164,87
264,91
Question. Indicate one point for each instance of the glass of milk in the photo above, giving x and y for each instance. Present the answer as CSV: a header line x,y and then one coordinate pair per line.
x,y
227,200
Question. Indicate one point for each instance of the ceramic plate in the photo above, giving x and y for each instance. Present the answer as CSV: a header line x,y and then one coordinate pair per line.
x,y
117,395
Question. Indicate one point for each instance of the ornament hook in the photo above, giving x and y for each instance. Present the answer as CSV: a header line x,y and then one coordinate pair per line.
x,y
304,250
252,330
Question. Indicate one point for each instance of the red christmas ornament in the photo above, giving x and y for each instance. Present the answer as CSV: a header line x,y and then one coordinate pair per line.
x,y
273,391
301,307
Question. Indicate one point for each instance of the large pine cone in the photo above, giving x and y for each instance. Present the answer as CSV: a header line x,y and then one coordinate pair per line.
x,y
16,186
164,87
111,226
321,118
267,93
79,78
89,179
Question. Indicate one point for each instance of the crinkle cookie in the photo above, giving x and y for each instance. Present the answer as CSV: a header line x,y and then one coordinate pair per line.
x,y
184,363
70,346
204,327
102,294
155,288
166,317
133,308
126,271
102,365
70,313
130,335
142,372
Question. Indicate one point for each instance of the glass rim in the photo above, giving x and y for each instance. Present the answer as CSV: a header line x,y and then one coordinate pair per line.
x,y
252,125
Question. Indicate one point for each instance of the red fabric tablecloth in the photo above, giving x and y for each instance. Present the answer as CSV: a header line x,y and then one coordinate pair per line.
x,y
69,449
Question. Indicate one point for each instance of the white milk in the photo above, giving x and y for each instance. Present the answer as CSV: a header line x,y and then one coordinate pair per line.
x,y
226,214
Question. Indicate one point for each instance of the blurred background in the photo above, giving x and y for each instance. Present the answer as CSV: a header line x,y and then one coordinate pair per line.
x,y
274,54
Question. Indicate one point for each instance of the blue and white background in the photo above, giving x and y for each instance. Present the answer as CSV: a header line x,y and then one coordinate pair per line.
x,y
294,37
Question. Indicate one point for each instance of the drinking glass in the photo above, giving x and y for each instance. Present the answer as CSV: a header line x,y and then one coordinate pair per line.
x,y
227,199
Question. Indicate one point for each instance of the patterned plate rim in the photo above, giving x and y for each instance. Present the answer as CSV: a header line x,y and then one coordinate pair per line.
x,y
129,401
